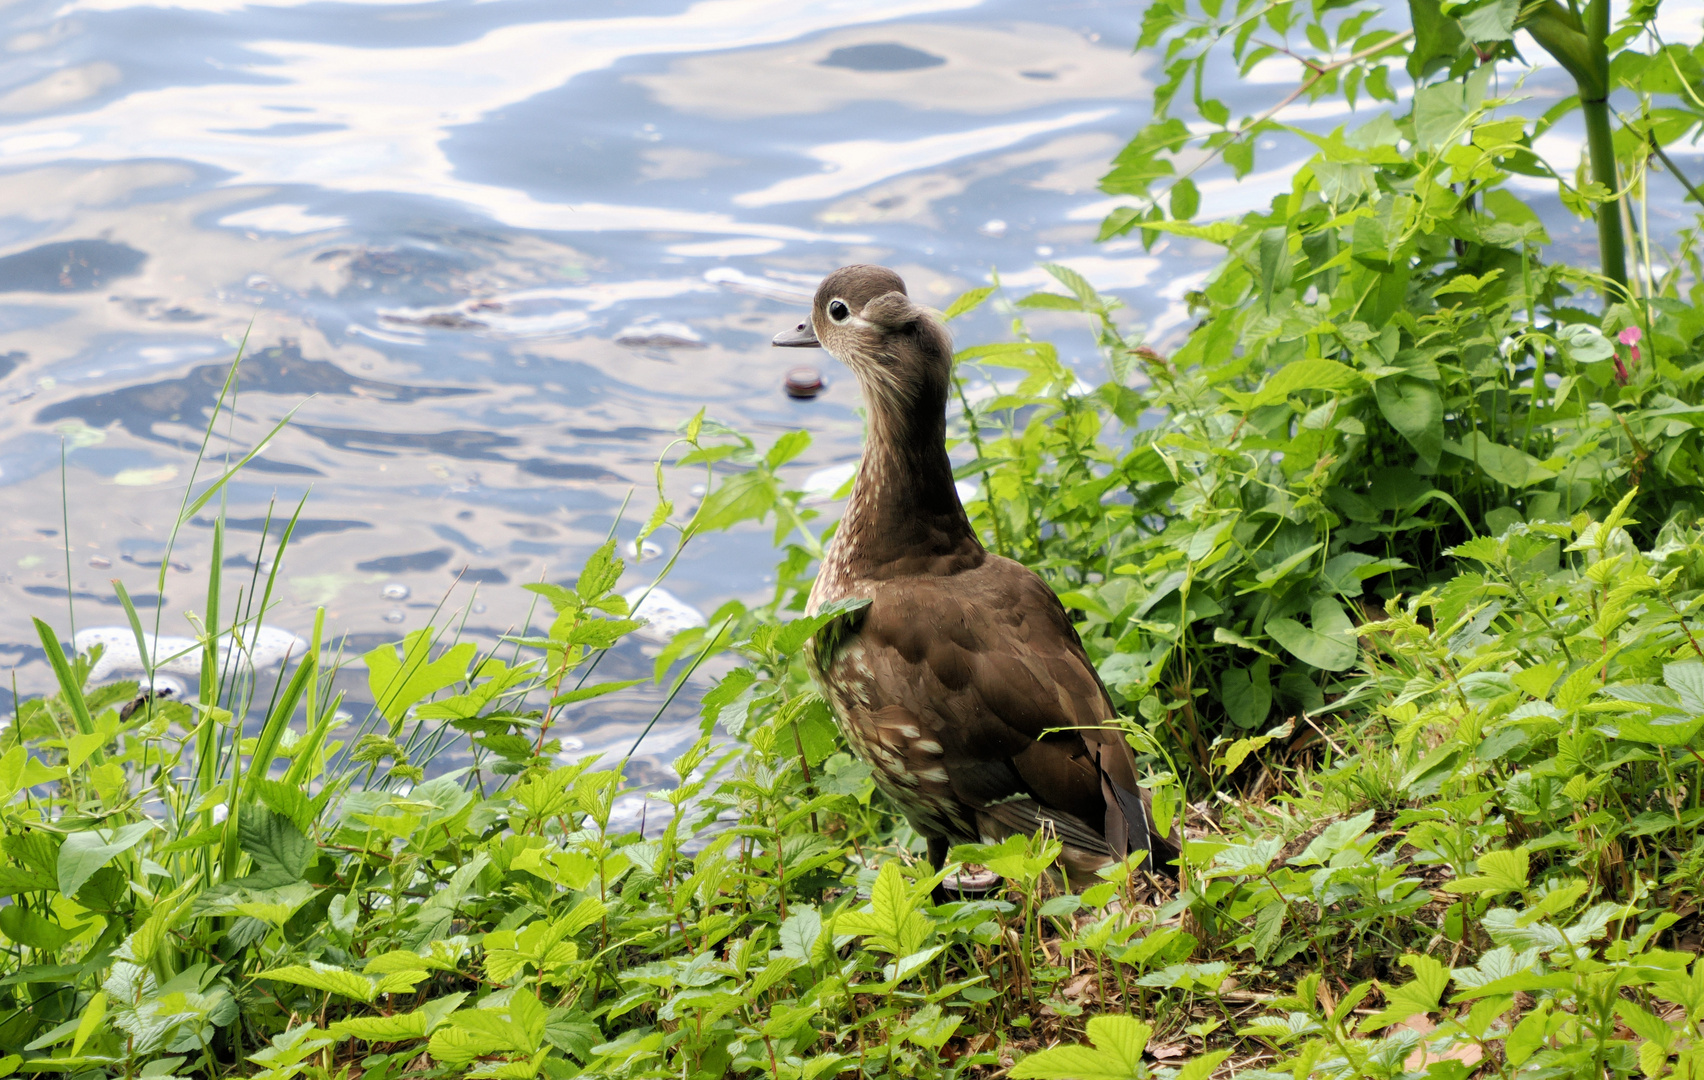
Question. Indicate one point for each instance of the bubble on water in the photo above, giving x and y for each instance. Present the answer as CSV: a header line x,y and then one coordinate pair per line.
x,y
396,590
394,616
650,549
1044,251
994,227
479,609
698,490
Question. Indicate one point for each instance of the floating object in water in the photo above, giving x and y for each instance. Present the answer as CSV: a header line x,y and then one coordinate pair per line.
x,y
663,613
994,227
262,648
396,590
804,383
649,549
659,335
394,616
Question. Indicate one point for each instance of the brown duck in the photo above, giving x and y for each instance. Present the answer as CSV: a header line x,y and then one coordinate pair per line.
x,y
963,683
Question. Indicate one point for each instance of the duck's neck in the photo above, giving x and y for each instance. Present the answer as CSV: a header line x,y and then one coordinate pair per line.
x,y
904,515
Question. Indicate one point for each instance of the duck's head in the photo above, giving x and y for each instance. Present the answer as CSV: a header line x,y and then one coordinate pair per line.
x,y
899,350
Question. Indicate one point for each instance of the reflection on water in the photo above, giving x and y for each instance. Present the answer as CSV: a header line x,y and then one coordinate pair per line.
x,y
496,252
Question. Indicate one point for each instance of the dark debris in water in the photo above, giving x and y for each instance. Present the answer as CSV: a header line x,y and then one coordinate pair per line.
x,y
418,562
188,399
566,470
881,56
466,444
69,266
276,525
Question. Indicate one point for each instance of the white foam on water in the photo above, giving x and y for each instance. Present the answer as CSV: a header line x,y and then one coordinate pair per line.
x,y
264,648
663,613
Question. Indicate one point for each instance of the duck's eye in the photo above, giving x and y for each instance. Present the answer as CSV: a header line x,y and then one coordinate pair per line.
x,y
838,311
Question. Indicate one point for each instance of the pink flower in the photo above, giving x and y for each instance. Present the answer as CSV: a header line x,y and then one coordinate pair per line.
x,y
1630,338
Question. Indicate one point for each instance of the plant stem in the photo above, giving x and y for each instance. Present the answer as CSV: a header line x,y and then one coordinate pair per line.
x,y
1600,143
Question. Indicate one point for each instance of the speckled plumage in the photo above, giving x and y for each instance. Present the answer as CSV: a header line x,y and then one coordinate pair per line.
x,y
963,683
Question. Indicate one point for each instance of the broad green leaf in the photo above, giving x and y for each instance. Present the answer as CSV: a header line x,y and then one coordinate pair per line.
x,y
411,1025
1417,998
1499,872
328,977
85,852
400,679
1687,680
26,927
1116,1054
1329,644
1297,376
1334,838
1504,464
1416,410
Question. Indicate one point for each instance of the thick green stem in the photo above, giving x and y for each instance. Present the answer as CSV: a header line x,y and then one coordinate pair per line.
x,y
1582,47
1600,144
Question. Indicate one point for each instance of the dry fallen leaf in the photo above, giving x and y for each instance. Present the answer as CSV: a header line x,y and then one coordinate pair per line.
x,y
1466,1053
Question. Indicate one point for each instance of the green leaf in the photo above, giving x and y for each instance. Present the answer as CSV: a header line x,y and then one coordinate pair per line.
x,y
1116,1054
1247,693
786,448
93,1013
1202,1068
1268,928
1416,410
1333,839
1499,872
280,852
967,301
597,690
1185,199
317,976
1491,21
1437,37
396,1028
1328,645
399,680
1504,464
1687,681
26,927
85,852
1297,376
891,923
601,572
1417,998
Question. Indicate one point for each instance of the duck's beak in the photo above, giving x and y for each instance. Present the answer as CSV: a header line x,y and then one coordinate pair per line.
x,y
802,336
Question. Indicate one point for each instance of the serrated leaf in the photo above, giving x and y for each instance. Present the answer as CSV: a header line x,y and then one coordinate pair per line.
x,y
967,301
1416,998
1116,1054
317,976
1499,872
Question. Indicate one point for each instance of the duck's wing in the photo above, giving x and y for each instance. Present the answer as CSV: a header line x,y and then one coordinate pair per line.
x,y
989,665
